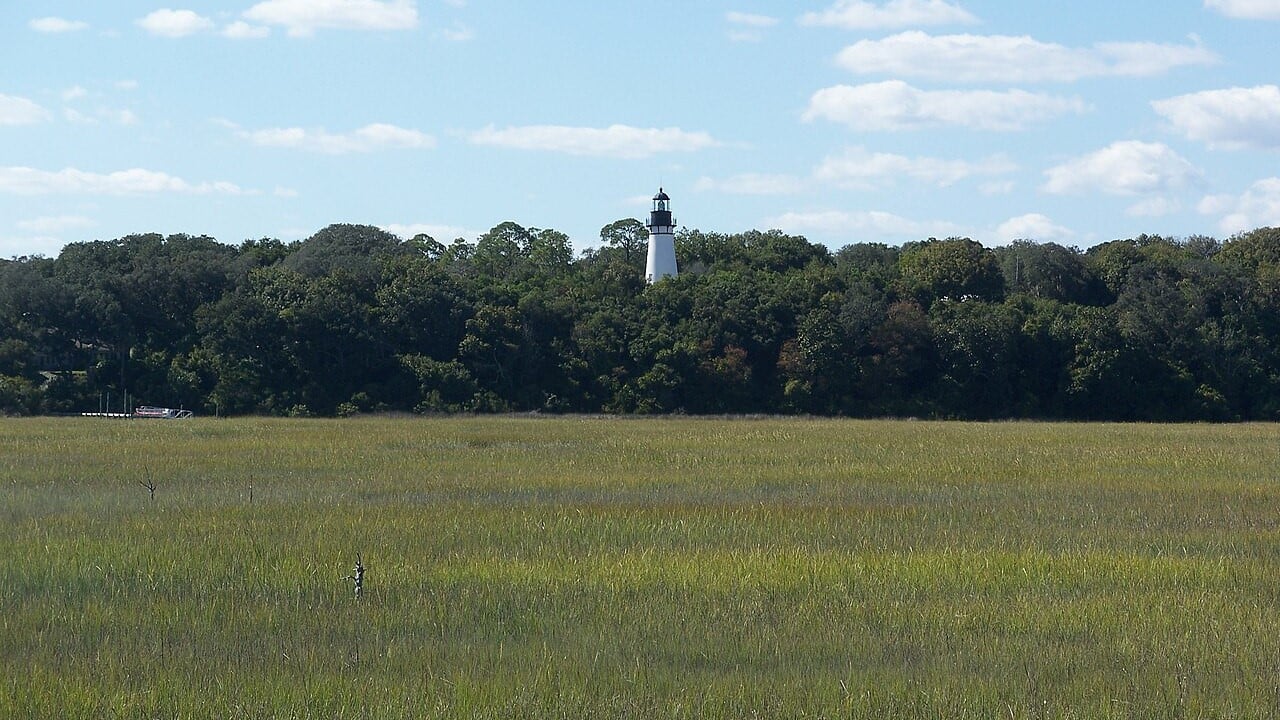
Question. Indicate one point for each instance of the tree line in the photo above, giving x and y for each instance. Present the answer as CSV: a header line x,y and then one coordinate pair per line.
x,y
354,319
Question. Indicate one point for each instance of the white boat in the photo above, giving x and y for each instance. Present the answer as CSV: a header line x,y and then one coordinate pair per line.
x,y
161,413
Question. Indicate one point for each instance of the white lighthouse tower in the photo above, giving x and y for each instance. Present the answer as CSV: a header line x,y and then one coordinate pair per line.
x,y
662,241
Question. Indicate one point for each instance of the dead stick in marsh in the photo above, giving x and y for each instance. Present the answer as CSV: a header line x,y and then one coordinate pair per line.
x,y
357,576
149,485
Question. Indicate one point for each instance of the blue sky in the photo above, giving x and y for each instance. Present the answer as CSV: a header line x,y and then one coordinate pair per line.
x,y
841,120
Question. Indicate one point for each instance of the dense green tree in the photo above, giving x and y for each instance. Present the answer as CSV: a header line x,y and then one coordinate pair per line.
x,y
978,362
955,269
772,250
1252,251
443,386
246,354
630,238
263,252
426,247
1049,271
871,265
1110,263
38,309
500,254
136,300
1109,379
357,250
336,345
601,346
492,350
1046,349
818,367
550,256
421,308
901,365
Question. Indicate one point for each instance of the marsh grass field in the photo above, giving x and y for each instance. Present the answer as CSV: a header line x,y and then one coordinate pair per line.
x,y
638,568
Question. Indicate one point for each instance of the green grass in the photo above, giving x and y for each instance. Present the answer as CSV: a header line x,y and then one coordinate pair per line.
x,y
672,568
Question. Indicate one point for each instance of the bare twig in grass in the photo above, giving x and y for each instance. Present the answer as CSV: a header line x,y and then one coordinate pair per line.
x,y
357,576
149,485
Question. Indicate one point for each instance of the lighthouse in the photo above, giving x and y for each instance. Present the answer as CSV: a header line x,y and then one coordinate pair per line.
x,y
662,242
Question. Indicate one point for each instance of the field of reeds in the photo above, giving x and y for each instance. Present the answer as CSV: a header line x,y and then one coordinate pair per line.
x,y
638,568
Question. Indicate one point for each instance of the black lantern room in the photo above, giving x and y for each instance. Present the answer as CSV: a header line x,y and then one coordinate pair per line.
x,y
660,216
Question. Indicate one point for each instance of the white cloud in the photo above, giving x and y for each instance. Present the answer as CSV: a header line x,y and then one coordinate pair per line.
x,y
241,30
303,17
119,117
1258,207
1032,226
56,224
836,222
895,105
20,111
1246,9
638,201
384,135
863,15
458,33
127,85
859,169
175,23
135,181
377,136
57,25
44,245
1234,118
1125,168
100,114
1145,59
1003,58
750,20
1157,206
442,233
617,141
748,27
752,184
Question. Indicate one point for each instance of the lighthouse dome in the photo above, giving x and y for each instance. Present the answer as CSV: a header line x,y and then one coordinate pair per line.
x,y
661,195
